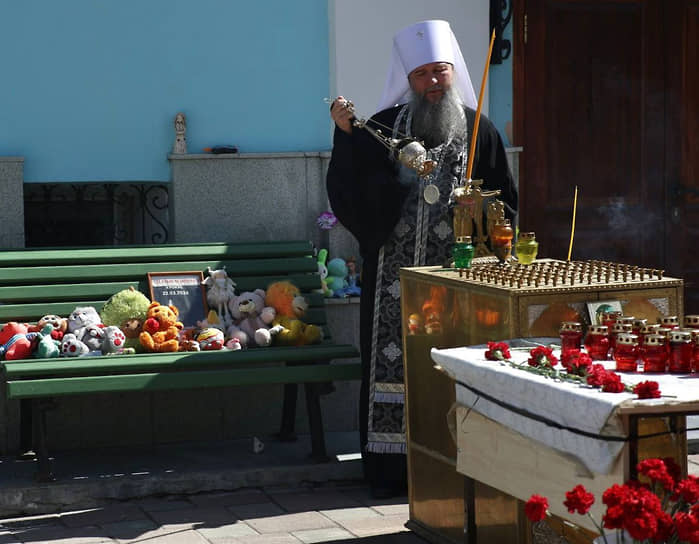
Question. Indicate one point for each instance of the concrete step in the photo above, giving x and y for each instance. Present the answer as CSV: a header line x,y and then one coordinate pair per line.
x,y
90,478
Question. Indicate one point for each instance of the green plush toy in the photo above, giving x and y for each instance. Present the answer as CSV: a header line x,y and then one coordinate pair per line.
x,y
127,310
47,347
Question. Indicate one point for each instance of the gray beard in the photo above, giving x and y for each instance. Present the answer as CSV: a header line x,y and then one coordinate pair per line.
x,y
437,123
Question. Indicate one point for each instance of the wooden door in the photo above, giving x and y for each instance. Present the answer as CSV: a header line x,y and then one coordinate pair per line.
x,y
604,101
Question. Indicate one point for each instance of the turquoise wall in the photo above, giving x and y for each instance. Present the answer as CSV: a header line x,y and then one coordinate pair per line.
x,y
500,91
90,88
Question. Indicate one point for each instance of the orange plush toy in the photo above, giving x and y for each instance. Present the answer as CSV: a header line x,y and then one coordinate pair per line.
x,y
290,305
433,309
161,329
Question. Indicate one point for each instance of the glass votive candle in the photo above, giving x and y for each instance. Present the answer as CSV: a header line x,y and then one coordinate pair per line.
x,y
691,321
626,352
695,356
669,321
681,352
626,319
617,329
526,247
638,324
571,339
654,353
649,328
609,318
597,342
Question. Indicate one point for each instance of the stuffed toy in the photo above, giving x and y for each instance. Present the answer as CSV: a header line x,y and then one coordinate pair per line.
x,y
353,289
114,341
253,319
290,306
323,273
72,347
220,291
80,319
337,277
161,329
210,339
127,310
212,320
433,309
59,326
47,347
16,342
92,337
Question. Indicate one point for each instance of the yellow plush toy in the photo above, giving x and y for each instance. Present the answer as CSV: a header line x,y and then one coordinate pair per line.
x,y
290,305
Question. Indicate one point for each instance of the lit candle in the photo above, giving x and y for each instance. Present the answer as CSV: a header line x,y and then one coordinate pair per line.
x,y
572,226
472,150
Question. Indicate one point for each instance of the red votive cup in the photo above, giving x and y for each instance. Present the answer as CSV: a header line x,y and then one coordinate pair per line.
x,y
669,321
681,352
597,342
571,339
695,356
649,328
609,318
638,324
626,352
691,321
654,353
618,328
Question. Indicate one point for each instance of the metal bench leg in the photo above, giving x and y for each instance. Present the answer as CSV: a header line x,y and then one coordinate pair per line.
x,y
286,430
315,421
44,473
26,450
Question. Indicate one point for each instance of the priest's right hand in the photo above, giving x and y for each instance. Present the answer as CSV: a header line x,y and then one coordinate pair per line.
x,y
342,112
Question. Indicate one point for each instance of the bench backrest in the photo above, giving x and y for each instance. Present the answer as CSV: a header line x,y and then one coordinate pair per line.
x,y
37,282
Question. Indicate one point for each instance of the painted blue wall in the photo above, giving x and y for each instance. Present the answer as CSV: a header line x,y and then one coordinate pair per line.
x,y
90,88
500,91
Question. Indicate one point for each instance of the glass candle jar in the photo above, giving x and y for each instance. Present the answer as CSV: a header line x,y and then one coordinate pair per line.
x,y
638,324
462,252
654,353
626,319
617,329
502,240
571,339
526,247
649,328
681,352
609,318
669,321
597,342
695,356
691,321
626,352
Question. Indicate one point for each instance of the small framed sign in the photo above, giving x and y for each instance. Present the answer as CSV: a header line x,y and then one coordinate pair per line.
x,y
184,291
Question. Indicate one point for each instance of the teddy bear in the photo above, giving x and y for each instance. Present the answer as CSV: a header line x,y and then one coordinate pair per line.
x,y
16,342
71,346
127,310
58,324
161,329
337,277
290,306
81,318
252,319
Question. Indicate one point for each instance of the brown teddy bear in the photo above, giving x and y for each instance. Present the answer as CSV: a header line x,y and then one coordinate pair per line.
x,y
161,329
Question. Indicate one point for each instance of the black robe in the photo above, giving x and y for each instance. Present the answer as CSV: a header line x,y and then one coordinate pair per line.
x,y
368,199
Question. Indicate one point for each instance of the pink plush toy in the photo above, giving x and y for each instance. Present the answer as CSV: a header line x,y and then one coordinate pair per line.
x,y
16,342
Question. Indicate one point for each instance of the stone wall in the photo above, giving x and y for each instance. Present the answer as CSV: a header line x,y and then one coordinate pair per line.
x,y
12,198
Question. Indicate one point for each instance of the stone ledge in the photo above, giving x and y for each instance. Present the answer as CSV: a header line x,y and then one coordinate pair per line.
x,y
341,301
11,159
225,156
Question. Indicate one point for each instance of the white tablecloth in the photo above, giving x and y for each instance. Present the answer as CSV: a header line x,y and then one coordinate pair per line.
x,y
579,407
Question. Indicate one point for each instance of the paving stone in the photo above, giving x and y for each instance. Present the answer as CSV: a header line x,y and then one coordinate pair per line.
x,y
376,526
290,522
247,512
188,536
227,531
350,514
282,538
100,516
64,535
314,536
304,501
194,517
393,509
126,531
160,505
7,538
233,498
363,496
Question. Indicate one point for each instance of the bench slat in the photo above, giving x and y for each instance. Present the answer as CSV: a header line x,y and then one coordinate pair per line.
x,y
34,312
76,291
182,380
148,253
173,362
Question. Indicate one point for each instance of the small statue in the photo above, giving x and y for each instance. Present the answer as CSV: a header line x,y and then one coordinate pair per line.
x,y
468,211
180,146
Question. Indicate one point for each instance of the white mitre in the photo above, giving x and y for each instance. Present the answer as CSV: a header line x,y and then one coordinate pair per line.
x,y
423,43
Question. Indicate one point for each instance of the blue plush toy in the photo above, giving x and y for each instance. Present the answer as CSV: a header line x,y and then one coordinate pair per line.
x,y
337,276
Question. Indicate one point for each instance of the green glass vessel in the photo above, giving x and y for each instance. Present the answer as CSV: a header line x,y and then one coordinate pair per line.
x,y
462,252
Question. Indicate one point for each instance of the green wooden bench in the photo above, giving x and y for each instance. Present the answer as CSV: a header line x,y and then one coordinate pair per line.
x,y
36,282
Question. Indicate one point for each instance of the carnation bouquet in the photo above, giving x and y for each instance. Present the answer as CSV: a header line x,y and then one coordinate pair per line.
x,y
664,508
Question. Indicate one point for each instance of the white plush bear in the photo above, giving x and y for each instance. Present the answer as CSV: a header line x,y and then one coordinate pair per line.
x,y
72,347
252,319
80,319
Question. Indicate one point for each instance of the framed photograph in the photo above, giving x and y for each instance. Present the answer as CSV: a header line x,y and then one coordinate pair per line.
x,y
183,290
596,309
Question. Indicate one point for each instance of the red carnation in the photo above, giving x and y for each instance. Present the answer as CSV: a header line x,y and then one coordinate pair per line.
x,y
656,470
535,508
647,390
611,383
596,374
578,499
688,490
542,356
497,351
580,365
687,527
